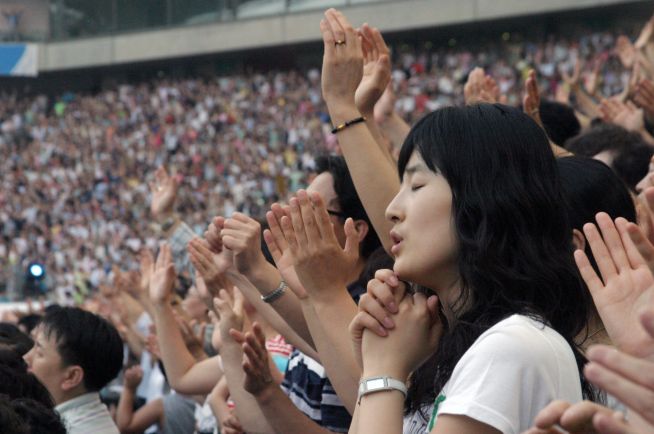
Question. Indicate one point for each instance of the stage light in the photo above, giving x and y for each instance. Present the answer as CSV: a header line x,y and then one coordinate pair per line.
x,y
36,271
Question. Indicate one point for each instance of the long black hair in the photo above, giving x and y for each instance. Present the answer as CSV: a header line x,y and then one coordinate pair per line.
x,y
515,244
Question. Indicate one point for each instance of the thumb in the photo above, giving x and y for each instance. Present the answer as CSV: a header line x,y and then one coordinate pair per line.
x,y
351,238
238,301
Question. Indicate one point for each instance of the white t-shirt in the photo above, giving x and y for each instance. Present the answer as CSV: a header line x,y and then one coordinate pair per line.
x,y
510,373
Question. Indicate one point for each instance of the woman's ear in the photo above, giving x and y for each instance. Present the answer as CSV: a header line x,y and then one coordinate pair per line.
x,y
578,239
362,228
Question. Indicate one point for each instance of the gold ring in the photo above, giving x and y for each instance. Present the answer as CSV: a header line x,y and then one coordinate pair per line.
x,y
339,42
534,111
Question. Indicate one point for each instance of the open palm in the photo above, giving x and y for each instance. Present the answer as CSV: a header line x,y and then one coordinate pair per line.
x,y
625,287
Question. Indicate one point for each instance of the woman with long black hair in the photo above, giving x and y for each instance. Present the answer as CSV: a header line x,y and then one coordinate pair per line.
x,y
486,339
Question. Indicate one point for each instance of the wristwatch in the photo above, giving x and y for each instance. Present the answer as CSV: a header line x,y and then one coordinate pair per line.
x,y
380,384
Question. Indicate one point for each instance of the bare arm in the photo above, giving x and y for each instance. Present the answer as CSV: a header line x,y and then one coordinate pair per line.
x,y
152,413
375,178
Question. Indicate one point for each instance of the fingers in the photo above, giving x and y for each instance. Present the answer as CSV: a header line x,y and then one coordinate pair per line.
x,y
333,23
632,368
351,238
641,243
635,396
610,424
322,219
587,272
579,417
363,320
634,257
600,251
550,415
289,233
385,292
377,311
327,37
612,240
309,226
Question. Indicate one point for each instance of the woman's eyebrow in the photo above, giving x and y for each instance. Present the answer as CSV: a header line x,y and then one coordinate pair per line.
x,y
418,167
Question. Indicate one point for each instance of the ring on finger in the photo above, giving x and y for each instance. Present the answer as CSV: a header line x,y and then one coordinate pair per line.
x,y
339,42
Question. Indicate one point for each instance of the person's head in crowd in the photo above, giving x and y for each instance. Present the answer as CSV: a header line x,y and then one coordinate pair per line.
x,y
559,120
16,382
13,338
335,186
478,219
39,418
622,150
27,323
75,352
10,421
590,187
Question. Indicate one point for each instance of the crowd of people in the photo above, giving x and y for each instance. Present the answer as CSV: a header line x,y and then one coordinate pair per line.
x,y
274,274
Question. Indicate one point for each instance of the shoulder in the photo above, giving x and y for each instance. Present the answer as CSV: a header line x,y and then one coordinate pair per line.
x,y
521,340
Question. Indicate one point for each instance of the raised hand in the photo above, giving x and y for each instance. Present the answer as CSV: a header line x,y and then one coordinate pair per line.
x,y
626,283
229,311
212,267
162,280
481,88
644,97
315,249
531,100
376,70
164,192
409,344
242,235
193,340
342,65
133,377
280,250
212,234
625,51
258,377
146,263
626,115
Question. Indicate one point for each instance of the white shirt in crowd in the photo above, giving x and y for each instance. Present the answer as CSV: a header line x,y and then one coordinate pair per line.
x,y
86,414
510,373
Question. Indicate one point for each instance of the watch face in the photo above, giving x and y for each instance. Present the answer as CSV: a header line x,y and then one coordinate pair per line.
x,y
377,383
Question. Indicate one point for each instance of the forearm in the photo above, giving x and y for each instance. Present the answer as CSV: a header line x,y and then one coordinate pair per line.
x,y
176,357
329,321
396,129
278,319
247,410
381,413
134,341
283,416
375,178
585,103
125,410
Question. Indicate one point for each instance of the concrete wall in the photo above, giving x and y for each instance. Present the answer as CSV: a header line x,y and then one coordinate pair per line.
x,y
34,20
293,28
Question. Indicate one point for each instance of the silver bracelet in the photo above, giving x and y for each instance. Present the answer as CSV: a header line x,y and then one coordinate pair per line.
x,y
277,293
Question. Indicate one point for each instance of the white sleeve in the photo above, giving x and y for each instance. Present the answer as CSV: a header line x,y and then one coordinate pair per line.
x,y
509,375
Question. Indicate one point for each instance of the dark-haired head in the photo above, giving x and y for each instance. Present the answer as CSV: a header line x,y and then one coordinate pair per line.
x,y
590,187
16,382
512,249
75,352
559,121
11,337
624,151
346,203
39,418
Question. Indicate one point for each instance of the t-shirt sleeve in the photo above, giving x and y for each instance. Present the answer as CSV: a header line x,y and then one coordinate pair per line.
x,y
505,379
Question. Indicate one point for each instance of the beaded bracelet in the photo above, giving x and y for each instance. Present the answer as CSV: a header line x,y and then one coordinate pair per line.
x,y
346,124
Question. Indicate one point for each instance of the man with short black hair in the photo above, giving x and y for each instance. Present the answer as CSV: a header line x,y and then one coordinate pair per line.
x,y
76,353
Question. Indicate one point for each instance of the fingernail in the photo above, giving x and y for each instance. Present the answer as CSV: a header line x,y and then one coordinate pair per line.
x,y
392,306
388,323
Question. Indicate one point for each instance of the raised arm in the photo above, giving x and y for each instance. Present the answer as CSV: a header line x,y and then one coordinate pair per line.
x,y
184,373
128,421
375,178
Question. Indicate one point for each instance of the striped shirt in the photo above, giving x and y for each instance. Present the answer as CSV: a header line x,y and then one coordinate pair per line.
x,y
308,387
